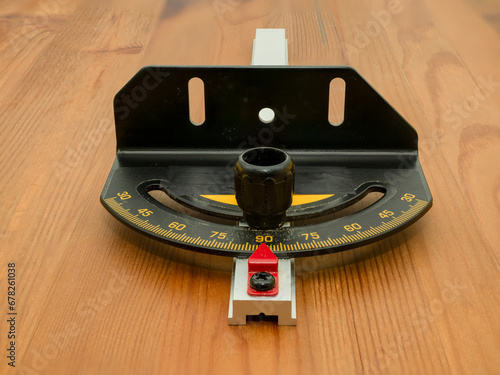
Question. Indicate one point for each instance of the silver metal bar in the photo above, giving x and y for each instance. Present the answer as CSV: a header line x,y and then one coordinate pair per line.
x,y
269,48
282,305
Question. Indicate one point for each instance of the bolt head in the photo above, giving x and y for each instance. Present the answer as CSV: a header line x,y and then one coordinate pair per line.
x,y
262,281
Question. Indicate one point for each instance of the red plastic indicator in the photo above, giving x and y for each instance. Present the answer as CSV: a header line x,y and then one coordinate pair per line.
x,y
263,260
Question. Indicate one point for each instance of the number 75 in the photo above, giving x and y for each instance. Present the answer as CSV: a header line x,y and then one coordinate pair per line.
x,y
314,235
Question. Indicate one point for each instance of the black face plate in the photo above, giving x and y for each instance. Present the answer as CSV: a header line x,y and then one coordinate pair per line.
x,y
158,148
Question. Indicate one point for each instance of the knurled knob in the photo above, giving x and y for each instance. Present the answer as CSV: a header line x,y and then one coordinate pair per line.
x,y
264,182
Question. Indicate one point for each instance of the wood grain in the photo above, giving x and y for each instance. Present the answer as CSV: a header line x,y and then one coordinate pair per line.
x,y
96,298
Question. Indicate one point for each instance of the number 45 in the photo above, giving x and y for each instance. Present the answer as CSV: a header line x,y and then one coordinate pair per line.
x,y
145,212
385,213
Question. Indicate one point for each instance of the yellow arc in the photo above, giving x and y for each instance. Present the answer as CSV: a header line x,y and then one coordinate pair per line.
x,y
298,199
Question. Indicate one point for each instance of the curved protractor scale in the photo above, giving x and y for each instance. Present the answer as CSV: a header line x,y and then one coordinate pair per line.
x,y
159,149
127,199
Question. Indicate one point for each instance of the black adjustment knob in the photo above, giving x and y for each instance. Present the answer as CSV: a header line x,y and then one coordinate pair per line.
x,y
263,181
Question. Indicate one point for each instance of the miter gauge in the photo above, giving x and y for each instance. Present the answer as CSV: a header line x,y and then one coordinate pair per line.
x,y
261,179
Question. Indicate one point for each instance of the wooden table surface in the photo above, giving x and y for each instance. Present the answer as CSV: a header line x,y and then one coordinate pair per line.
x,y
93,297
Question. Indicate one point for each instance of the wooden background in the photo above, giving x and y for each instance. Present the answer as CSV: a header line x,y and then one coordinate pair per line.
x,y
94,297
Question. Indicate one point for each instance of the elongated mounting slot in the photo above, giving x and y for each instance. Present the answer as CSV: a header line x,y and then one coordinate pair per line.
x,y
336,102
196,90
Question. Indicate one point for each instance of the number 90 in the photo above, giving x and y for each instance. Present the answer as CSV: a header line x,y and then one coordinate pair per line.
x,y
264,238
